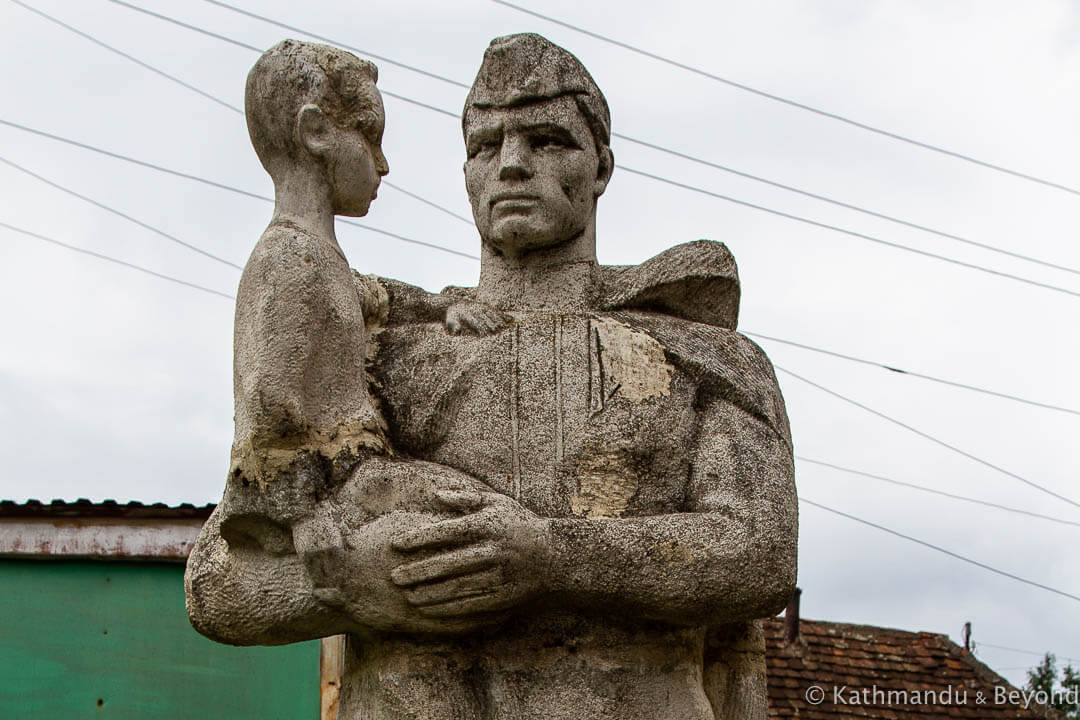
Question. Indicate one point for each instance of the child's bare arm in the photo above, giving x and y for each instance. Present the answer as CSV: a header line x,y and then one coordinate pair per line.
x,y
453,306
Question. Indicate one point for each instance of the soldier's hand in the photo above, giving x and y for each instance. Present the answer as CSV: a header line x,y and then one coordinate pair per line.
x,y
490,560
365,593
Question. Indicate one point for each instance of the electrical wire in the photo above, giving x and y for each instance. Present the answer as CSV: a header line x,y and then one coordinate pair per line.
x,y
123,54
848,206
921,376
264,198
863,236
942,493
223,186
253,48
802,499
851,233
218,100
676,153
114,211
180,23
445,112
325,39
928,436
454,214
793,103
940,549
1025,652
424,200
117,261
660,148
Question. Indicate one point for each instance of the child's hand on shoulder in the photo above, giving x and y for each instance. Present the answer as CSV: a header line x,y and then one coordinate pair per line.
x,y
472,318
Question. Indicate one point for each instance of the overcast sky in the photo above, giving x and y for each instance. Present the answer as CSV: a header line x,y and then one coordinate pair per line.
x,y
117,385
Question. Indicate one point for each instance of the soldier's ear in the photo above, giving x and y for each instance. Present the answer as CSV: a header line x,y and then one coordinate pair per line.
x,y
313,131
603,171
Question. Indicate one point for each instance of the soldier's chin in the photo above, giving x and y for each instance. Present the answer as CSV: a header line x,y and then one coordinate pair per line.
x,y
516,237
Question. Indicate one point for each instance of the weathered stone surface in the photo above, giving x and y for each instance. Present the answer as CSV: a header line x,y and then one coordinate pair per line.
x,y
581,495
316,121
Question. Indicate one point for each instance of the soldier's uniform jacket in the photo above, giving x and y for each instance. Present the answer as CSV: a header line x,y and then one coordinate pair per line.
x,y
643,410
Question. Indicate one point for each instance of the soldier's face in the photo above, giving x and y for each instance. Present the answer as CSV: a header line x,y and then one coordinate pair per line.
x,y
531,174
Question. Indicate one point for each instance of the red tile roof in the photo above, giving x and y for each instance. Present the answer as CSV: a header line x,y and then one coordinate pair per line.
x,y
860,671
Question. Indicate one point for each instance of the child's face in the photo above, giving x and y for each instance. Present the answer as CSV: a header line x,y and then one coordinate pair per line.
x,y
356,164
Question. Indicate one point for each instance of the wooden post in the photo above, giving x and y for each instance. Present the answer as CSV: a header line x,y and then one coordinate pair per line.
x,y
331,664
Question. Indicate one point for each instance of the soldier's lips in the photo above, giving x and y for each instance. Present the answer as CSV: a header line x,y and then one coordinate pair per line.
x,y
514,199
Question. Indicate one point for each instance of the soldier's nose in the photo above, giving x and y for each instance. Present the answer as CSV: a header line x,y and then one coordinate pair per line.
x,y
514,159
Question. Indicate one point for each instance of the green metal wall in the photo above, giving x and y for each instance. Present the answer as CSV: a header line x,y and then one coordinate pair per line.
x,y
112,640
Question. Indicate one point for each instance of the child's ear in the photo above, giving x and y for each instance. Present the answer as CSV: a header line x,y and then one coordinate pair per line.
x,y
313,130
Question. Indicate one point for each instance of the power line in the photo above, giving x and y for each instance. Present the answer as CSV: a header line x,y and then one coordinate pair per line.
x,y
670,151
446,210
1025,652
628,138
843,231
424,200
195,28
244,45
940,549
111,259
127,217
223,186
253,48
923,488
325,39
928,436
657,177
921,376
846,205
134,161
793,103
123,54
218,100
231,41
264,198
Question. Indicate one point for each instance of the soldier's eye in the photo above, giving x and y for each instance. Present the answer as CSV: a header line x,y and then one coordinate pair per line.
x,y
486,148
549,142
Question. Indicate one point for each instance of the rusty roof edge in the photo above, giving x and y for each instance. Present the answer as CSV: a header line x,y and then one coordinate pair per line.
x,y
168,539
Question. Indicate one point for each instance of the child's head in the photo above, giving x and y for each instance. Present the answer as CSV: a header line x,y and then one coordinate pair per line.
x,y
311,105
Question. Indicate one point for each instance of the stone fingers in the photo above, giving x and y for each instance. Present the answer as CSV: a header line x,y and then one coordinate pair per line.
x,y
460,500
481,603
445,532
458,588
463,561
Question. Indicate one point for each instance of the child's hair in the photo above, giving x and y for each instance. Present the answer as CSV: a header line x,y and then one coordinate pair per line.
x,y
292,74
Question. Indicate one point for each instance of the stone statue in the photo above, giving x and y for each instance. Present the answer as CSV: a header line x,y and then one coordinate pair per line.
x,y
572,489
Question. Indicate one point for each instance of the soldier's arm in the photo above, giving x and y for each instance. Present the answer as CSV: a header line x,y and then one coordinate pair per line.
x,y
731,556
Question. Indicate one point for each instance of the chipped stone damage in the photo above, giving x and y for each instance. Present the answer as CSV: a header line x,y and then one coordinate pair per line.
x,y
606,482
633,363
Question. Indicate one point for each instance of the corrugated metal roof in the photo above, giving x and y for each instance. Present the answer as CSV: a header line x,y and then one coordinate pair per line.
x,y
107,508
